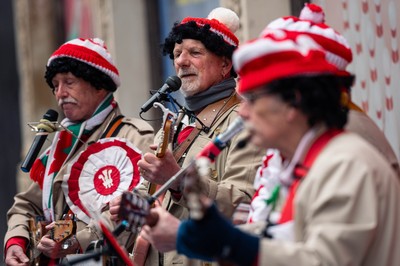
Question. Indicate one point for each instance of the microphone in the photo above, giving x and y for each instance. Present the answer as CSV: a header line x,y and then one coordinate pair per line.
x,y
41,135
214,148
172,83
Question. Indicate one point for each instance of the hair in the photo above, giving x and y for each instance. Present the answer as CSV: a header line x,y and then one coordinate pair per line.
x,y
318,97
95,77
190,30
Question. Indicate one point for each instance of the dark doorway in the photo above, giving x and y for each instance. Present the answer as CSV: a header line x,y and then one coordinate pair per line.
x,y
10,144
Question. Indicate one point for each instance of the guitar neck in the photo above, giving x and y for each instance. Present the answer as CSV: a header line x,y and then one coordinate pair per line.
x,y
152,188
162,148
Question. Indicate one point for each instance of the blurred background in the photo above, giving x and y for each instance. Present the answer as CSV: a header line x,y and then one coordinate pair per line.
x,y
133,30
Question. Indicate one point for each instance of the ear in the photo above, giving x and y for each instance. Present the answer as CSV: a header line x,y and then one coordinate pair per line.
x,y
102,92
296,117
226,65
292,113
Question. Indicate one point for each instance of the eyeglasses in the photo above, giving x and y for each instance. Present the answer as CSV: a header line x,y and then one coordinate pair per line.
x,y
251,97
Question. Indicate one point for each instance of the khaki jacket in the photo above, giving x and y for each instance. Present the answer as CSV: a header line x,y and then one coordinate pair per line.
x,y
362,124
230,184
346,211
29,203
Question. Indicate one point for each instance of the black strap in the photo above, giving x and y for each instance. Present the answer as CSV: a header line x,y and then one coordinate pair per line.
x,y
114,127
207,117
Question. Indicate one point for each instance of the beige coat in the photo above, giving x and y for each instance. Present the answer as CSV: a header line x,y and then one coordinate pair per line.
x,y
29,203
230,184
347,211
362,124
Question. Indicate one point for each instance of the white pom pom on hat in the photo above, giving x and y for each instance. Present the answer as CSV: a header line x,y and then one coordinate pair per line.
x,y
90,51
310,22
222,21
227,17
312,12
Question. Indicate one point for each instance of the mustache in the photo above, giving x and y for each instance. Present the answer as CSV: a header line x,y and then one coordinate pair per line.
x,y
187,71
66,100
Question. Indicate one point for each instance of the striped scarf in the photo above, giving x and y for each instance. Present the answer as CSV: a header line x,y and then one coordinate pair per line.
x,y
64,145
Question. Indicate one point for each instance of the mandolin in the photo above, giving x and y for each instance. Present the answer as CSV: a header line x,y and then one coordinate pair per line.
x,y
62,230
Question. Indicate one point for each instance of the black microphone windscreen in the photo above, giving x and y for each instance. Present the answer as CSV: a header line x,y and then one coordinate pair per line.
x,y
174,83
51,115
38,142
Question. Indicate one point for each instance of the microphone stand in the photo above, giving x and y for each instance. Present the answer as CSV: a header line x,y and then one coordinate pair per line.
x,y
110,247
95,255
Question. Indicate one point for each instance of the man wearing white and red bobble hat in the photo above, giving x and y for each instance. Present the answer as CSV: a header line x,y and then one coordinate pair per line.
x,y
342,201
312,22
201,50
82,77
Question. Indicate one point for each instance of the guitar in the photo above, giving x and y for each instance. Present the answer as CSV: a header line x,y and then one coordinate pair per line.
x,y
167,132
62,230
135,210
135,207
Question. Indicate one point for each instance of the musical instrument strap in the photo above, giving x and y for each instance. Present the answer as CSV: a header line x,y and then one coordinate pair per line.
x,y
208,116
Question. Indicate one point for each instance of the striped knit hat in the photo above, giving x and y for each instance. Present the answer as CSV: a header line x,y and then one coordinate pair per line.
x,y
90,51
222,21
216,32
276,55
311,22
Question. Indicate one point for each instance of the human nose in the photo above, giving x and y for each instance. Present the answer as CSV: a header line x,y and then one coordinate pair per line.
x,y
182,60
60,91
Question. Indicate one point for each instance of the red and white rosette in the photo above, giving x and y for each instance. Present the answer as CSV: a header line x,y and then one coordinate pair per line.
x,y
100,173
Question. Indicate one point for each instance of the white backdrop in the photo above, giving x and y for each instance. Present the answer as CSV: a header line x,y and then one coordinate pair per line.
x,y
372,28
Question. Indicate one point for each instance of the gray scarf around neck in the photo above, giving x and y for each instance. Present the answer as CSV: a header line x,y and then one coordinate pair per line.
x,y
213,94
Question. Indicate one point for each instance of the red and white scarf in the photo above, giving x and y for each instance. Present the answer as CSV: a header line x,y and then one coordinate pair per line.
x,y
265,182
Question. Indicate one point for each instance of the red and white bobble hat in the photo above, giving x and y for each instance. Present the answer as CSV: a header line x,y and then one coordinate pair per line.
x,y
92,52
311,21
279,54
222,21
